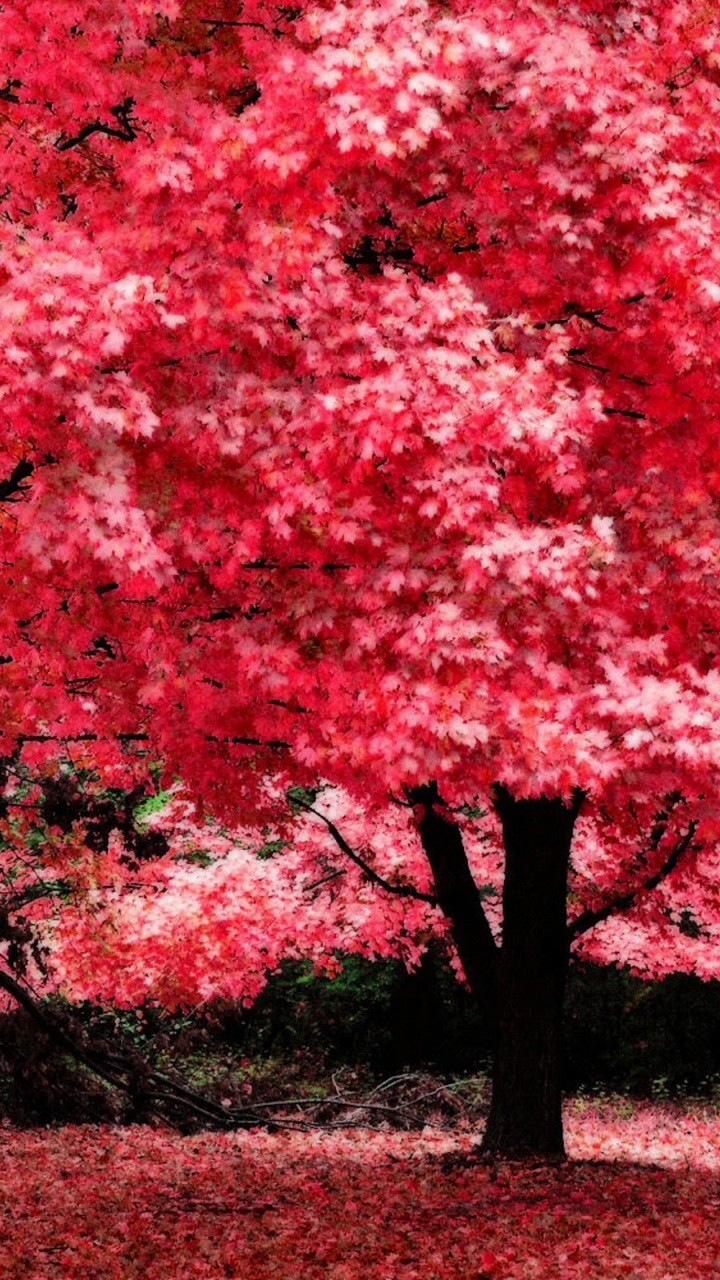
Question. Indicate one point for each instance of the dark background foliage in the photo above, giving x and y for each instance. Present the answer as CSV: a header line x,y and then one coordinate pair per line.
x,y
622,1035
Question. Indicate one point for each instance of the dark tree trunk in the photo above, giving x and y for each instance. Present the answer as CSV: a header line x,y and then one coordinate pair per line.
x,y
520,986
526,1110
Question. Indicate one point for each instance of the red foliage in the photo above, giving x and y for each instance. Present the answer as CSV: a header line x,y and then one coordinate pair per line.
x,y
359,369
103,1204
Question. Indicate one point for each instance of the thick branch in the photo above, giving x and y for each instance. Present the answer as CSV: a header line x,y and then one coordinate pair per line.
x,y
8,94
459,897
124,131
401,890
12,489
275,743
625,901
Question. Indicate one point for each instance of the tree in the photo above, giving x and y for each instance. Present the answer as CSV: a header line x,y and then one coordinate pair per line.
x,y
359,372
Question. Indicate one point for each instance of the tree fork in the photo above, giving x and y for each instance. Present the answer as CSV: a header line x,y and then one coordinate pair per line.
x,y
526,1110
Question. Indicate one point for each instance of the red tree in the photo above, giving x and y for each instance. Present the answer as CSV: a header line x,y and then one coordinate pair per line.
x,y
359,375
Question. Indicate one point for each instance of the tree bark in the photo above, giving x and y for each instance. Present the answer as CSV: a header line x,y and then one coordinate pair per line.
x,y
526,1110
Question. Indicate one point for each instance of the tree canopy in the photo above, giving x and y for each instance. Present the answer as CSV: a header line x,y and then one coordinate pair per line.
x,y
359,383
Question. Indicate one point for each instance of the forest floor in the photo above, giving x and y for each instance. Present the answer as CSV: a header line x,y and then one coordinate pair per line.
x,y
638,1200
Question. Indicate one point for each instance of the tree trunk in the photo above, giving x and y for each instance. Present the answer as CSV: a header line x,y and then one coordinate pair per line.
x,y
520,986
526,1110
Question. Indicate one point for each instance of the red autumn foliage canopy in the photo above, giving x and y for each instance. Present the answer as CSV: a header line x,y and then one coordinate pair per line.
x,y
358,370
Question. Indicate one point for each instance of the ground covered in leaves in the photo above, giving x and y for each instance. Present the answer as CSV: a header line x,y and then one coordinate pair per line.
x,y
638,1200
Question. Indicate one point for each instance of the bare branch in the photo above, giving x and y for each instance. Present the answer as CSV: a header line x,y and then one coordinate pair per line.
x,y
625,413
293,564
124,131
276,744
116,1069
167,1097
401,890
216,24
625,901
49,1026
332,875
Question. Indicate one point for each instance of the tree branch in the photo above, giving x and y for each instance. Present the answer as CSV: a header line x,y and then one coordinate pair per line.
x,y
625,901
216,23
122,1072
158,1092
12,489
317,884
459,898
293,564
8,94
276,744
48,1025
34,892
401,890
124,131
